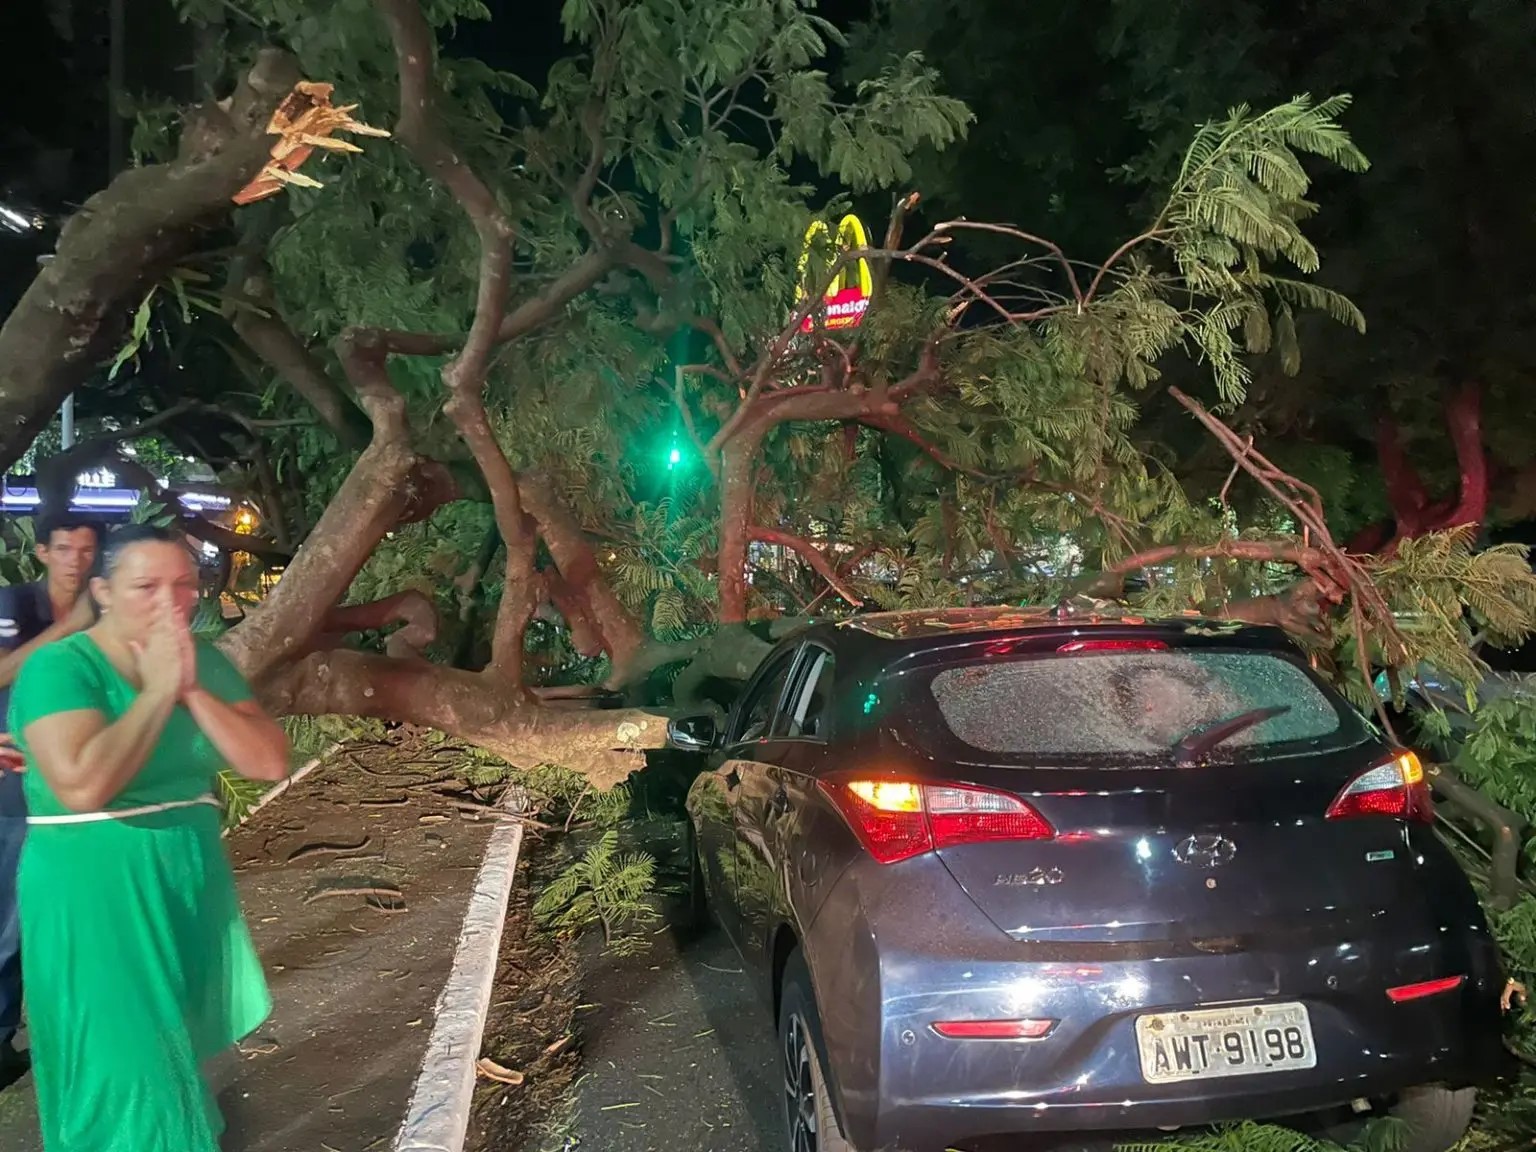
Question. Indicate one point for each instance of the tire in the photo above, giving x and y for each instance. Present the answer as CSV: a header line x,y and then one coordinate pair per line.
x,y
698,916
810,1124
1436,1117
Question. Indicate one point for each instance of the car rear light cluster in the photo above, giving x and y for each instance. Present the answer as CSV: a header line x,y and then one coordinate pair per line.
x,y
898,819
1396,789
994,1029
1428,988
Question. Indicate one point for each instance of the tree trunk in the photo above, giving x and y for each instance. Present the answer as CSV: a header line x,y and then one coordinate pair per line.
x,y
605,745
738,464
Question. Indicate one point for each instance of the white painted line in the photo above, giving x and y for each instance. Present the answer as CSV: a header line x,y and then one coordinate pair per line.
x,y
438,1117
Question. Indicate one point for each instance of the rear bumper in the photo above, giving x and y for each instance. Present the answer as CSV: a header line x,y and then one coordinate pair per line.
x,y
936,1092
900,1085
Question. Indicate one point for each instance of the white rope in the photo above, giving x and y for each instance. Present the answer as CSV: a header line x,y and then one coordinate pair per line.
x,y
123,813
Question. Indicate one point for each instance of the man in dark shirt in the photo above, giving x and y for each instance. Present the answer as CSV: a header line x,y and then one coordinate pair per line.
x,y
32,615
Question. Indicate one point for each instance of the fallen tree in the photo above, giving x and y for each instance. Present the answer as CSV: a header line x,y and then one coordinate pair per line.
x,y
975,438
289,646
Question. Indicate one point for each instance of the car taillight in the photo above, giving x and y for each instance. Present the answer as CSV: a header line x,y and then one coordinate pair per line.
x,y
898,819
1406,992
1396,789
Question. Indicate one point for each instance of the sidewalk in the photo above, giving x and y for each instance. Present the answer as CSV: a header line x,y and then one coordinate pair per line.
x,y
354,974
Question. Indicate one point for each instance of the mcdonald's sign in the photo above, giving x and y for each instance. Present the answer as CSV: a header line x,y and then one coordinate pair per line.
x,y
847,297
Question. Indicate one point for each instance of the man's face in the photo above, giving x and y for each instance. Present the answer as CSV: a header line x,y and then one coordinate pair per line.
x,y
68,556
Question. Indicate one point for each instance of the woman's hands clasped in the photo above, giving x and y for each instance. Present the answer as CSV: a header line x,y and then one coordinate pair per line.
x,y
166,657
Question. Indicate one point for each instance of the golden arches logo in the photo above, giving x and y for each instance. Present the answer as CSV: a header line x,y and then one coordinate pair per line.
x,y
847,297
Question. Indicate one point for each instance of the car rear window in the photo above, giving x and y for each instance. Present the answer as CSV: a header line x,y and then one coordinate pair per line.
x,y
1133,704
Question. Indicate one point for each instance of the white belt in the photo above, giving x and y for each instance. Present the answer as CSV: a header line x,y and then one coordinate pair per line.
x,y
124,813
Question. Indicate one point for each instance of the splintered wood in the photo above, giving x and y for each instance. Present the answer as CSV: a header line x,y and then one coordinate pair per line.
x,y
304,121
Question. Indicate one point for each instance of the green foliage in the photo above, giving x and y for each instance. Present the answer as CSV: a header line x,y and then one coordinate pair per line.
x,y
1498,756
654,574
1494,751
18,559
1446,594
1384,1135
1238,201
728,128
237,795
433,557
310,736
1044,412
178,297
560,795
604,887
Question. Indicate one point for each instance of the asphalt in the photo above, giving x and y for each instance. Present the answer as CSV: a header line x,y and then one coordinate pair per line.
x,y
678,1053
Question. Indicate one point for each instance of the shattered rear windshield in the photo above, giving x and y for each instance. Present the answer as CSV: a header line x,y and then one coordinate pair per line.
x,y
1133,704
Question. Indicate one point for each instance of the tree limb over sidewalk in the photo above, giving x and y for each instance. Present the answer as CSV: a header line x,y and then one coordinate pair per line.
x,y
123,239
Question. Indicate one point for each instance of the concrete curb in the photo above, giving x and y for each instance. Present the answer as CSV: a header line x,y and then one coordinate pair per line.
x,y
438,1117
280,787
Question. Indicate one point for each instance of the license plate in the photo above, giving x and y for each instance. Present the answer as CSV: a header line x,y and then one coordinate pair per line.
x,y
1208,1043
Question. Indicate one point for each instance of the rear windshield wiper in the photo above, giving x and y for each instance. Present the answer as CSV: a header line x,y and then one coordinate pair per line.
x,y
1196,744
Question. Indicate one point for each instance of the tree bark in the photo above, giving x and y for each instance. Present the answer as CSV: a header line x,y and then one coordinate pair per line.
x,y
370,501
738,464
605,745
622,635
1414,513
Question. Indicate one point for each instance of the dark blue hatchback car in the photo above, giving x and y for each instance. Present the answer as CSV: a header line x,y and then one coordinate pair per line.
x,y
1000,872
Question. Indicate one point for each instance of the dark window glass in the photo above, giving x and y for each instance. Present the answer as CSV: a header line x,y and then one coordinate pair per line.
x,y
1131,704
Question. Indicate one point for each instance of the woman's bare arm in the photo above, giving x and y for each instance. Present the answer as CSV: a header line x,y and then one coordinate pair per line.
x,y
251,742
87,761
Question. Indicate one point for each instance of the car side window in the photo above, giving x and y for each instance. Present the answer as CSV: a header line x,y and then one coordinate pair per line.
x,y
757,711
810,713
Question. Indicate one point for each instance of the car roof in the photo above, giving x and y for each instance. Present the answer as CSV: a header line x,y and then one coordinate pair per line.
x,y
875,639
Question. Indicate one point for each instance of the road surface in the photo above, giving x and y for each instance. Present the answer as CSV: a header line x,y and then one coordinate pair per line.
x,y
678,1053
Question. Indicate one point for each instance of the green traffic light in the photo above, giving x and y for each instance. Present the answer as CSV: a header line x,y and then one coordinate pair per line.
x,y
674,458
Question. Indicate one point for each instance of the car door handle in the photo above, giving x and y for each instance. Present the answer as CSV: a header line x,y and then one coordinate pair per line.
x,y
780,802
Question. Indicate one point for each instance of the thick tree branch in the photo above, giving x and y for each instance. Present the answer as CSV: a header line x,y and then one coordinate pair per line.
x,y
464,376
1413,511
414,612
623,636
265,332
1464,418
572,605
1405,490
125,238
811,555
605,745
369,503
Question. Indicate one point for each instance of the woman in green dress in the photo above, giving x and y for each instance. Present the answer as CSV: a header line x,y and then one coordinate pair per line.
x,y
139,965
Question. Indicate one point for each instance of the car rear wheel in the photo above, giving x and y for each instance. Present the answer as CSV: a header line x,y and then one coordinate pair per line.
x,y
810,1125
1436,1117
698,914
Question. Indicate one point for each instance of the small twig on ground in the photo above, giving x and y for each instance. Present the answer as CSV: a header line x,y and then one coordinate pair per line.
x,y
381,891
325,846
575,804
